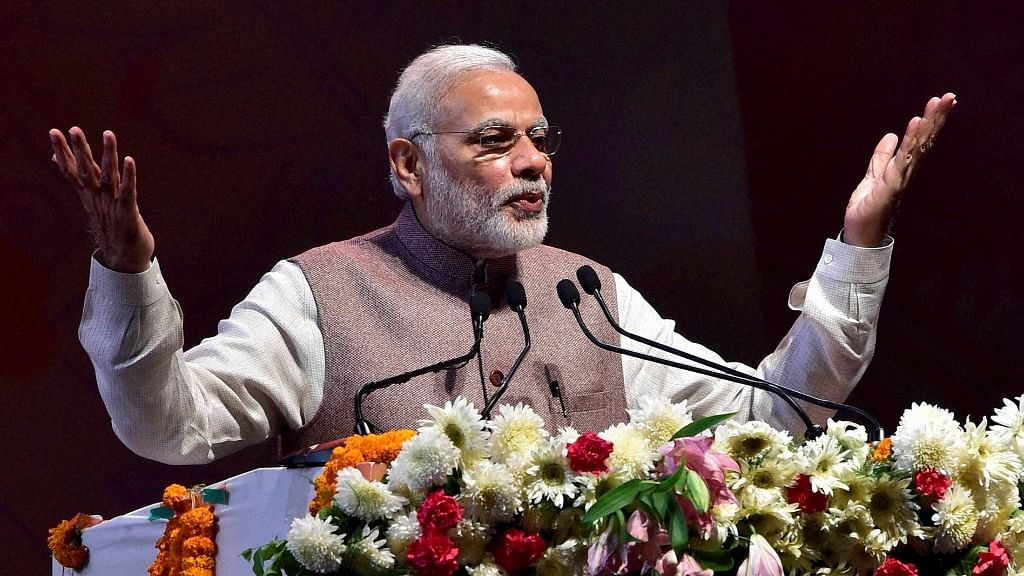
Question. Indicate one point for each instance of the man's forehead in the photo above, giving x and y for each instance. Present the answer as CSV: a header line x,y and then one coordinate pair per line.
x,y
491,98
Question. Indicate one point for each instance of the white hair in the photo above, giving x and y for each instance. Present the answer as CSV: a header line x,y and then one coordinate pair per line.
x,y
416,99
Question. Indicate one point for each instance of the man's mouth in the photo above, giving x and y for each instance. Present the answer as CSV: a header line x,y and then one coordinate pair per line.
x,y
527,202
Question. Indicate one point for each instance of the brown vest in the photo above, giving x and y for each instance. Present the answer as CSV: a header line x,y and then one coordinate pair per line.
x,y
397,299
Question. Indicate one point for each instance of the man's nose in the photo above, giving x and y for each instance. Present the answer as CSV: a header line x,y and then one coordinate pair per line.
x,y
527,161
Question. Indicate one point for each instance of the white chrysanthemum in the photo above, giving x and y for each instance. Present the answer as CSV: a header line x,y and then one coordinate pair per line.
x,y
567,435
658,420
857,492
593,486
854,521
515,431
402,531
892,508
490,494
772,475
462,424
983,460
360,498
486,568
749,440
548,475
927,437
852,437
955,519
471,538
632,456
1009,427
368,555
315,545
723,522
770,515
425,460
826,462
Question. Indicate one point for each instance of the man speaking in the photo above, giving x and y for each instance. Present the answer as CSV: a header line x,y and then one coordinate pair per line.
x,y
471,154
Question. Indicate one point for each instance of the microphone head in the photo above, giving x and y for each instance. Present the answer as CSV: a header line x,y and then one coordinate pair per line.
x,y
515,295
588,279
480,306
568,293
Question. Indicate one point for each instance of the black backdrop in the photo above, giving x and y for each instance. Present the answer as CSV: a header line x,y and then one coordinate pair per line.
x,y
709,149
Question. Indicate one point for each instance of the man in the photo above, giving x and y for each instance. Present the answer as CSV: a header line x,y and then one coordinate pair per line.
x,y
469,149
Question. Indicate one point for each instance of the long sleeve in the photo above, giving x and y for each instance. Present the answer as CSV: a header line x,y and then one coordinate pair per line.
x,y
825,352
264,368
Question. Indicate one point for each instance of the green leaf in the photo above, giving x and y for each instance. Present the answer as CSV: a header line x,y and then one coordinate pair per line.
x,y
647,500
678,531
670,482
697,491
616,499
257,562
698,426
247,554
660,502
716,560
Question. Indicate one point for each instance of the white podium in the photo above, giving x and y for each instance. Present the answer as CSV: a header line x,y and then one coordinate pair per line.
x,y
262,504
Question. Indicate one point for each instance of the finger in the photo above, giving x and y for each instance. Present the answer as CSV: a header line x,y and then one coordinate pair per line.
x,y
109,177
127,191
882,154
898,172
63,157
87,168
935,114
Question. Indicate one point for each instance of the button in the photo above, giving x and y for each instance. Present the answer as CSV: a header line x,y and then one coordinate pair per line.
x,y
496,378
828,258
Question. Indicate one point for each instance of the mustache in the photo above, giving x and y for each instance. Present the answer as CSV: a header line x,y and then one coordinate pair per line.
x,y
521,187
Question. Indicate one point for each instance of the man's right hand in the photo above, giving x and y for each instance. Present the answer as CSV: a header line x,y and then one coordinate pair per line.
x,y
124,241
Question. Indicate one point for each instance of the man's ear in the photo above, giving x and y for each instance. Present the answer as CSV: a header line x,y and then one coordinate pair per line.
x,y
407,165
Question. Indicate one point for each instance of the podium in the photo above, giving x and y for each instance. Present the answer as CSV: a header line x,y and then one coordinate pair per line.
x,y
262,504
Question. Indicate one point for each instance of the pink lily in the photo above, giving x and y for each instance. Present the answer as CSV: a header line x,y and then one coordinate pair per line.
x,y
762,559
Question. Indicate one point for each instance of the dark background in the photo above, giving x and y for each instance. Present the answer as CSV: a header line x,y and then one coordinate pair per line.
x,y
709,149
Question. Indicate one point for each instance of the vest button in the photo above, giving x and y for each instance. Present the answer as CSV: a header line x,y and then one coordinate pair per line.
x,y
496,378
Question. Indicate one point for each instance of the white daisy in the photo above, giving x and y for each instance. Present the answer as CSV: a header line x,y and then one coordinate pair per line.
x,y
632,456
892,508
927,437
426,460
852,437
315,545
593,486
515,431
549,476
826,462
368,555
490,494
567,435
983,459
771,474
658,419
402,531
360,498
770,515
955,519
1009,426
750,440
462,424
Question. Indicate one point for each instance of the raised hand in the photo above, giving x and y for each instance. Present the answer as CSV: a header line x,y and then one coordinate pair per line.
x,y
110,199
873,202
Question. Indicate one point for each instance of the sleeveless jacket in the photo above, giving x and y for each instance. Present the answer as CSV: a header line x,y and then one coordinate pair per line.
x,y
396,299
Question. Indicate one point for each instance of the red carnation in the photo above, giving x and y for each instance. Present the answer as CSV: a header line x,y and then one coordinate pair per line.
x,y
439,512
931,484
515,550
992,562
433,554
893,567
588,453
802,494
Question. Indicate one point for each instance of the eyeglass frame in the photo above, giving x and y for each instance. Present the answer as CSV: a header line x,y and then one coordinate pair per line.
x,y
479,132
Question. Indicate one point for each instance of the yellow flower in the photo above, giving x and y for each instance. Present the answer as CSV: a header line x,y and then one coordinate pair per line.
x,y
882,451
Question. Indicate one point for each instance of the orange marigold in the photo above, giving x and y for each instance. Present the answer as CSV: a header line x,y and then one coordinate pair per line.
x,y
65,541
197,521
196,572
198,546
177,498
882,451
205,562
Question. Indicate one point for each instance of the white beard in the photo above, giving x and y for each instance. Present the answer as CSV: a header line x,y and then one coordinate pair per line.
x,y
472,219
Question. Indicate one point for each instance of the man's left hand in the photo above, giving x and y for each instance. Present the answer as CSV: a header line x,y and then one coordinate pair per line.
x,y
874,200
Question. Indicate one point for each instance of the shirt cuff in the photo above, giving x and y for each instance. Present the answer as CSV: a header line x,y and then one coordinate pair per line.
x,y
125,289
853,264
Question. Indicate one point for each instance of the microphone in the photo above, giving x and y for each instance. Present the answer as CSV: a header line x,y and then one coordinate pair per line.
x,y
592,285
570,298
480,309
515,295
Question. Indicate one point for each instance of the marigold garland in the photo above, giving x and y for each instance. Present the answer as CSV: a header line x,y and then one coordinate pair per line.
x,y
380,448
187,547
65,541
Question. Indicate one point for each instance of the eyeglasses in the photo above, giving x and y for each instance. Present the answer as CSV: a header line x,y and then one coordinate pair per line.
x,y
500,140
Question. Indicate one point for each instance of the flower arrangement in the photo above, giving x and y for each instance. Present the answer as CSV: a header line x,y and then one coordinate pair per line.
x,y
65,541
663,494
187,547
